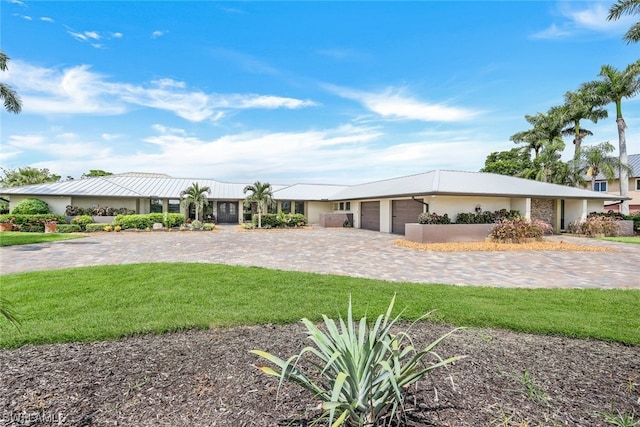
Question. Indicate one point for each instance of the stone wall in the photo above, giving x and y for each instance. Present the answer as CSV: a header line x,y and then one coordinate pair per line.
x,y
542,209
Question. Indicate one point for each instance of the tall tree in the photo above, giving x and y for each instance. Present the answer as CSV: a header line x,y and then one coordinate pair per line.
x,y
595,160
579,108
626,7
547,128
261,195
195,195
512,162
548,167
614,86
95,172
12,102
26,176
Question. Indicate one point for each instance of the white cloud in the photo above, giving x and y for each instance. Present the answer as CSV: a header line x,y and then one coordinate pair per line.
x,y
393,103
78,90
157,34
117,35
92,37
18,2
47,19
578,19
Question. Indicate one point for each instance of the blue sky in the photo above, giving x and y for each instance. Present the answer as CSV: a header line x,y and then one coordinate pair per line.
x,y
294,92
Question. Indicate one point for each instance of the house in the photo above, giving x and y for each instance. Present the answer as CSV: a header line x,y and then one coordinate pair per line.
x,y
385,205
613,187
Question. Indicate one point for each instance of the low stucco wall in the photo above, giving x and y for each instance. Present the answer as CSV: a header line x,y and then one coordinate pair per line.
x,y
441,233
335,219
625,228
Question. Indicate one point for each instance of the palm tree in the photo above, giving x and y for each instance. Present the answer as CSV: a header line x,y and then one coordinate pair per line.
x,y
547,166
195,195
578,108
596,160
626,7
547,128
7,313
614,86
27,175
261,194
11,99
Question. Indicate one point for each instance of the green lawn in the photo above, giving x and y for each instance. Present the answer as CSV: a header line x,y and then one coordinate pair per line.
x,y
634,239
107,302
10,238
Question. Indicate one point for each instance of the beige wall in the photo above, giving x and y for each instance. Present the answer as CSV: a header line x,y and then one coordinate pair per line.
x,y
57,204
314,209
452,206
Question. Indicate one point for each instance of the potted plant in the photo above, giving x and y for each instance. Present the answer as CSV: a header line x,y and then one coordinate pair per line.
x,y
50,225
6,224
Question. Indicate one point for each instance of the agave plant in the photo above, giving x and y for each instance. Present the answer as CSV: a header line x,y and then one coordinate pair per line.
x,y
362,372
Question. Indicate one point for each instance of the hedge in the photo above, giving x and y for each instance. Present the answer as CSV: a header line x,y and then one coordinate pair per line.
x,y
24,220
281,220
68,228
31,207
95,227
143,221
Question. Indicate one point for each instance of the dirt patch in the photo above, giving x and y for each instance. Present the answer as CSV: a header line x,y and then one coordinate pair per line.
x,y
207,378
494,246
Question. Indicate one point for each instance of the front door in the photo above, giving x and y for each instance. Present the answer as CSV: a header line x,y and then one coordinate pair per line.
x,y
227,212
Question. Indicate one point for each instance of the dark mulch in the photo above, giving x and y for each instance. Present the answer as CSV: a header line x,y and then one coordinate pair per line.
x,y
207,378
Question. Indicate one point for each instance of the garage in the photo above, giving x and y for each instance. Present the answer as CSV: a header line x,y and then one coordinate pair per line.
x,y
370,216
403,212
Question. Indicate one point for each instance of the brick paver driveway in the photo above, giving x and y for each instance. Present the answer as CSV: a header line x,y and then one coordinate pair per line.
x,y
352,252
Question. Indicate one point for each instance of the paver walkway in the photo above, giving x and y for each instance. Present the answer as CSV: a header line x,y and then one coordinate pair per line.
x,y
352,252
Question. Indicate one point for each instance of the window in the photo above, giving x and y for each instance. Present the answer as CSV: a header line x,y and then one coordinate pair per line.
x,y
637,184
174,206
600,186
285,206
156,206
300,208
342,206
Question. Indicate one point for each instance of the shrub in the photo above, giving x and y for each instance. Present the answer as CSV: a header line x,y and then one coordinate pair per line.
x,y
92,228
31,207
82,221
137,221
364,370
519,229
69,228
595,225
486,217
281,220
433,218
31,223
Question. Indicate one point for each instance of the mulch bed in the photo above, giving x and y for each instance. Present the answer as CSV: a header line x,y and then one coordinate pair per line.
x,y
207,378
504,247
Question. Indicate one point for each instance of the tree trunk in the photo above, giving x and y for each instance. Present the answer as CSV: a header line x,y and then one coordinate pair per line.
x,y
624,174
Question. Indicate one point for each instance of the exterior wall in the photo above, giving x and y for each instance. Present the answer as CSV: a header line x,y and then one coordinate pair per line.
x,y
440,233
113,202
314,209
634,193
543,210
452,205
385,215
522,205
57,204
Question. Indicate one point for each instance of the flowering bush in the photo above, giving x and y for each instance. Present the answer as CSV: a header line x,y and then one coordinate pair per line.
x,y
518,230
595,225
433,218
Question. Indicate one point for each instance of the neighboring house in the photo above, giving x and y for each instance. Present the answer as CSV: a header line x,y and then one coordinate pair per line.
x,y
613,187
384,206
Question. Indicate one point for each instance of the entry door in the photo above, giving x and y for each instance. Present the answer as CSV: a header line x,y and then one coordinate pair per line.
x,y
227,212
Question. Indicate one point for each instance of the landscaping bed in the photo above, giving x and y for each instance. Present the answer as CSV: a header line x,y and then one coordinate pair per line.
x,y
495,246
205,378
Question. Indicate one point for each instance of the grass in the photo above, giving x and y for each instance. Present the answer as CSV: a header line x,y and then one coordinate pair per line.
x,y
634,239
11,238
109,302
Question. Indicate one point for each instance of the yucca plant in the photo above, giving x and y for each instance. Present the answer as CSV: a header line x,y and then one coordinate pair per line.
x,y
361,373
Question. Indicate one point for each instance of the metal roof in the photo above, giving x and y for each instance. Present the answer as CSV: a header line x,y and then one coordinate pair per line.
x,y
430,183
633,160
445,182
308,192
131,185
